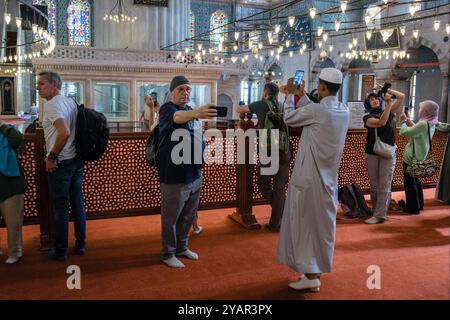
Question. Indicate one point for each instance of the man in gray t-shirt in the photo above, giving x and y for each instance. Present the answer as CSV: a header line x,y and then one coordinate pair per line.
x,y
65,169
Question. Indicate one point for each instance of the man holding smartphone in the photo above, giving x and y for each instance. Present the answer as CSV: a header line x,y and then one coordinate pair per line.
x,y
180,182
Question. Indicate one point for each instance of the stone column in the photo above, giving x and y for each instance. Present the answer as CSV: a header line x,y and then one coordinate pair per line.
x,y
155,26
444,115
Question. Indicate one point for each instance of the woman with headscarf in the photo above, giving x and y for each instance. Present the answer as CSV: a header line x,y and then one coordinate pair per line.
x,y
419,135
380,121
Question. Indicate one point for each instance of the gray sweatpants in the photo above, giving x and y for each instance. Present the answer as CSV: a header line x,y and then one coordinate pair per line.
x,y
380,172
178,209
12,211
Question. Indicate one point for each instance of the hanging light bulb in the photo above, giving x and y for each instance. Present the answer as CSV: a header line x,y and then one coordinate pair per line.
x,y
269,34
416,33
18,22
288,43
277,28
34,27
199,46
369,34
234,59
344,5
291,20
403,30
312,12
319,44
350,46
325,37
412,9
272,53
337,25
319,31
301,51
355,42
304,46
236,36
7,18
270,40
291,53
260,45
278,57
331,48
235,47
436,24
447,28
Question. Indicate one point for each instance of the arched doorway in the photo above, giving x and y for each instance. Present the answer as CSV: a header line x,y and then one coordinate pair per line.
x,y
358,81
422,73
225,100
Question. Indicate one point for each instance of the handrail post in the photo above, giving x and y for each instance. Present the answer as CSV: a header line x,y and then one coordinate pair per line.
x,y
244,172
44,208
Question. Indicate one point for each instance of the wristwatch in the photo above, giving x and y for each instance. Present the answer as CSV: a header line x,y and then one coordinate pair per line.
x,y
52,156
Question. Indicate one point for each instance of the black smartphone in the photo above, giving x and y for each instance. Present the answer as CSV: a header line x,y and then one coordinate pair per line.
x,y
298,77
221,111
154,96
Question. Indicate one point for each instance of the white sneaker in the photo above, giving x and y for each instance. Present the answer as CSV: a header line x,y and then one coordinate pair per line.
x,y
173,262
374,220
188,254
305,283
197,231
12,260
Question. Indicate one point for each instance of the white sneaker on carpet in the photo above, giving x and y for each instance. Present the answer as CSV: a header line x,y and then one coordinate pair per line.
x,y
188,254
12,260
305,283
197,231
173,262
374,220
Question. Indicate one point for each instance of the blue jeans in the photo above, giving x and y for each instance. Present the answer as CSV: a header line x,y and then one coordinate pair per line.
x,y
65,186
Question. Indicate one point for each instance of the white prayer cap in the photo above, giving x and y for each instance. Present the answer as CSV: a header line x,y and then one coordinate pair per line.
x,y
331,75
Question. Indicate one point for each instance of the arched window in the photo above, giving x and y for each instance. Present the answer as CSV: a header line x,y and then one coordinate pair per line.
x,y
244,91
218,18
51,13
191,28
79,23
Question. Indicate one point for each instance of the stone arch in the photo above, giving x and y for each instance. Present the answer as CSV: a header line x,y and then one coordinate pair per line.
x,y
442,55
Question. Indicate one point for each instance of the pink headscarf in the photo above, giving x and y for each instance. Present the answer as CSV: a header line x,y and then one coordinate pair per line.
x,y
428,111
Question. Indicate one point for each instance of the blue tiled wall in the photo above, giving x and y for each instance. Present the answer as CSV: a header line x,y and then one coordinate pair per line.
x,y
203,11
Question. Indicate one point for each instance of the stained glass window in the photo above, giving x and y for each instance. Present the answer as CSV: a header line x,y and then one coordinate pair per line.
x,y
191,28
218,18
51,14
79,23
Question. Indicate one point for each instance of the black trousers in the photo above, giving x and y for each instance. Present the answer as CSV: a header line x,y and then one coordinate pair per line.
x,y
413,192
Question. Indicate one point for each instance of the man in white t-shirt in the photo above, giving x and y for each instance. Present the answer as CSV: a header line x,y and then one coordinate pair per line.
x,y
65,169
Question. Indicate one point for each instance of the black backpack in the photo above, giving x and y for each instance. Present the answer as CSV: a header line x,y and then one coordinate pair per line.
x,y
352,201
91,135
151,148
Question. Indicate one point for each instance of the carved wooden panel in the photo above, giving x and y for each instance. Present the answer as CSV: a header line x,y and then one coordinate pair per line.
x,y
121,183
28,164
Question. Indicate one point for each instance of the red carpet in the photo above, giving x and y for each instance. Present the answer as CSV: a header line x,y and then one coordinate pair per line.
x,y
123,261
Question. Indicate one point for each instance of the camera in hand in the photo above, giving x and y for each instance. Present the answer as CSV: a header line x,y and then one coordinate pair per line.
x,y
384,90
221,111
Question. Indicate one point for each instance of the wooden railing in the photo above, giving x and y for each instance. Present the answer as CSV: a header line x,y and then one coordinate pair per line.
x,y
122,184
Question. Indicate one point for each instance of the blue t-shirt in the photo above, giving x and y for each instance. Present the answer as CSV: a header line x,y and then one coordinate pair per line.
x,y
168,171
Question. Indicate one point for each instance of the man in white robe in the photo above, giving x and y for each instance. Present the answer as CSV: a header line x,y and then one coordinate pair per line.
x,y
308,226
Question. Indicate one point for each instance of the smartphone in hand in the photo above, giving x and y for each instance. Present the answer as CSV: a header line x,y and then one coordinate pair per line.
x,y
298,77
221,111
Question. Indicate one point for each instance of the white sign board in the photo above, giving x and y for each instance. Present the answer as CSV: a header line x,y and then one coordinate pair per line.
x,y
357,113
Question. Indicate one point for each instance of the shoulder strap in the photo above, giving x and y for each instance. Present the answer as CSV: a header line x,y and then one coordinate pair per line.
x,y
429,138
